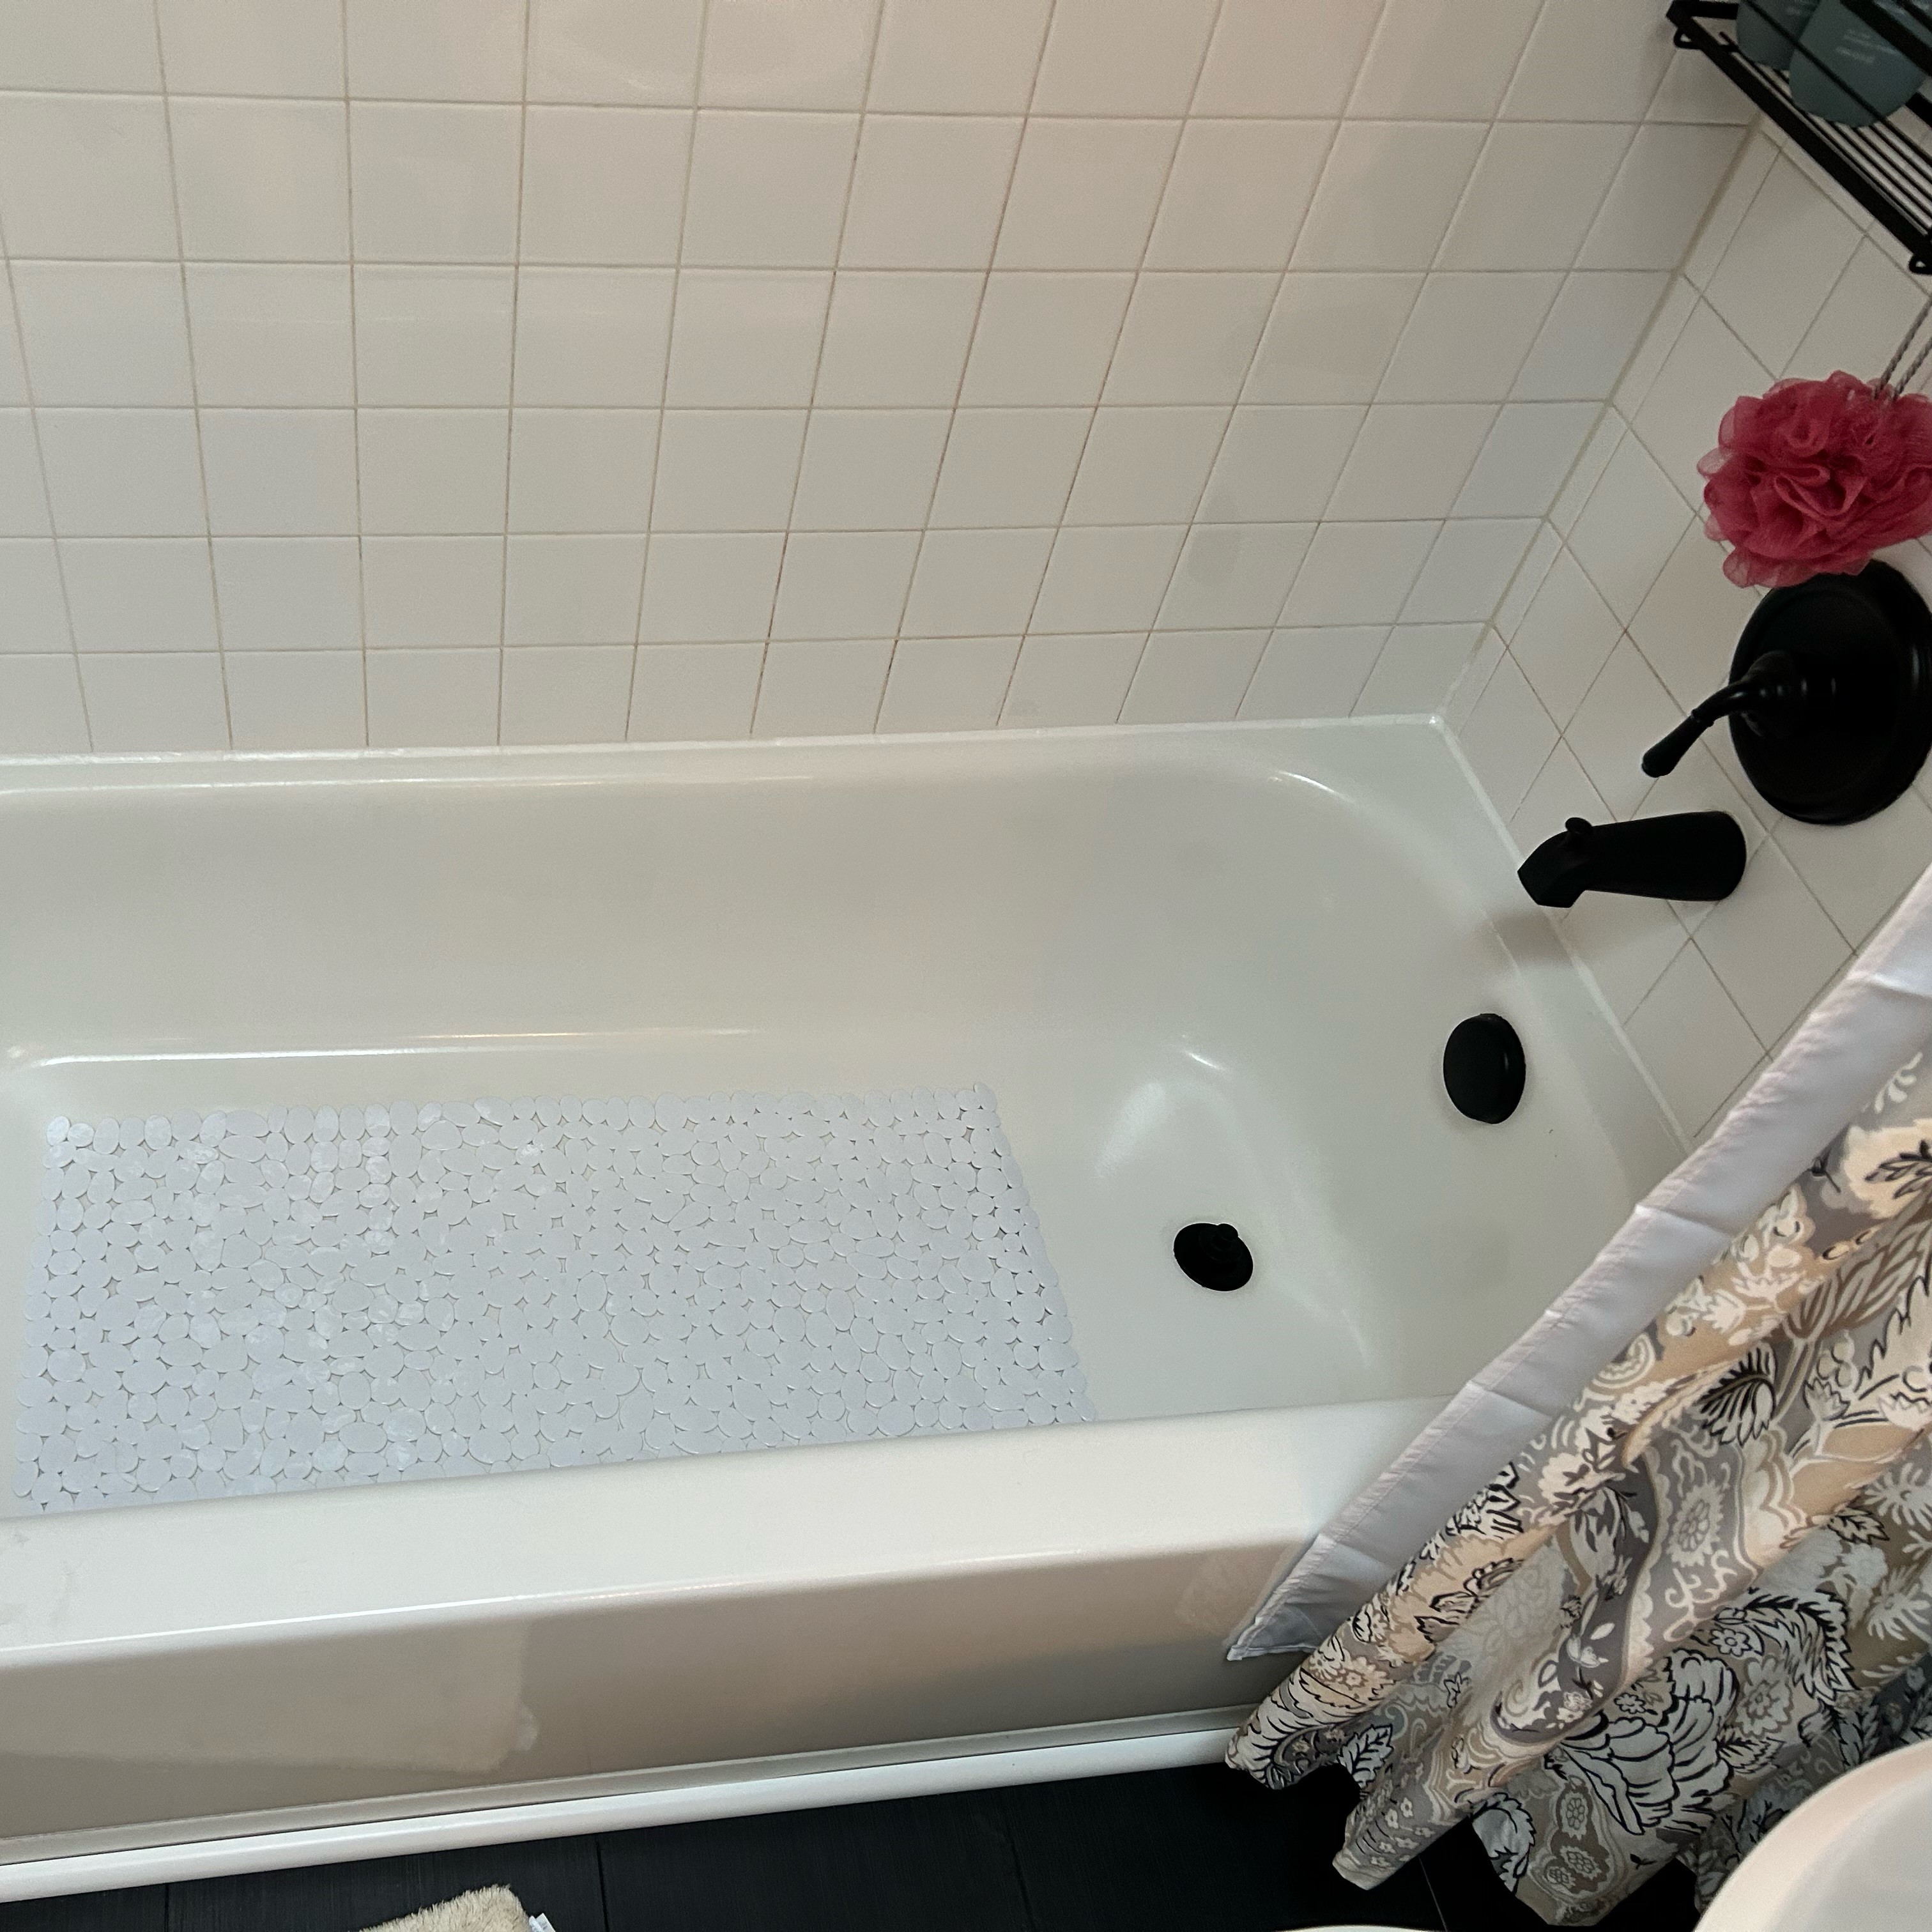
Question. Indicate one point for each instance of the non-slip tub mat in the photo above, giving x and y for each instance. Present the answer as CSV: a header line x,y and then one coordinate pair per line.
x,y
239,1303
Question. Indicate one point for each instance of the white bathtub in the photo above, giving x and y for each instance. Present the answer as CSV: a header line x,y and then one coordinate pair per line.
x,y
1207,971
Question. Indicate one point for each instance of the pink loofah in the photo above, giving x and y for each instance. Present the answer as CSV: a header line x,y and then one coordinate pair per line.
x,y
1814,476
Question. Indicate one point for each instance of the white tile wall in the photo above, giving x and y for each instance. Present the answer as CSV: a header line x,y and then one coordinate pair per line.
x,y
456,371
1621,619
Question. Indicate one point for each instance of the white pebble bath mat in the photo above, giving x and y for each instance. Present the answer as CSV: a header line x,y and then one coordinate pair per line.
x,y
241,1303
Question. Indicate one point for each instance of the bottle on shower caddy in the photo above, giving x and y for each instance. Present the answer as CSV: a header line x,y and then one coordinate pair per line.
x,y
1768,30
1837,46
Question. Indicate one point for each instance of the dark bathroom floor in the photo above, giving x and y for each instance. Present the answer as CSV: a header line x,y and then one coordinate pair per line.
x,y
1198,1850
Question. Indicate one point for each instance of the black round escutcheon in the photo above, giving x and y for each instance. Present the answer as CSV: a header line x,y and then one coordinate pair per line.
x,y
1214,1254
1483,1068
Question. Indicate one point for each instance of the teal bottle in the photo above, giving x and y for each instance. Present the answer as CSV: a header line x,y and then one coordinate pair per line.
x,y
1850,73
1768,30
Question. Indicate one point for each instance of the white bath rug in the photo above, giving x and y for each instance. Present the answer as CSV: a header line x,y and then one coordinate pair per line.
x,y
242,1303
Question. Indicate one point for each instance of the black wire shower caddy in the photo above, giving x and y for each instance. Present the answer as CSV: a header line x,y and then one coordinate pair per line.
x,y
1887,167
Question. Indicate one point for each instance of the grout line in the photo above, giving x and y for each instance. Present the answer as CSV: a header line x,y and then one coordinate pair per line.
x,y
510,404
194,382
355,372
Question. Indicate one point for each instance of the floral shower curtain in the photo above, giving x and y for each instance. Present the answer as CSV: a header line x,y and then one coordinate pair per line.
x,y
1684,1599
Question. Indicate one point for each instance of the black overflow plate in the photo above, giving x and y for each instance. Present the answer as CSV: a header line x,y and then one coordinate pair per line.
x,y
1483,1068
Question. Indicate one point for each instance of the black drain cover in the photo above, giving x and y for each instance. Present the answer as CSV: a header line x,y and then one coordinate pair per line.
x,y
1483,1068
1214,1254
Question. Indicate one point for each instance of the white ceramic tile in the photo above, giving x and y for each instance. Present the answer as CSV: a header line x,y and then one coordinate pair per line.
x,y
1704,374
1072,680
1771,943
1534,195
1009,468
1507,737
436,49
434,472
1441,60
295,701
104,332
1417,670
1145,465
768,190
1193,676
33,604
155,701
1530,448
613,51
1857,873
1329,337
821,689
1123,56
947,684
1045,339
1386,194
927,191
1472,564
1565,638
1467,337
572,590
567,695
1864,319
1233,576
1590,60
709,586
1687,626
1624,713
282,47
1653,209
262,180
432,592
107,45
746,339
434,183
1625,943
1279,465
1473,680
1562,791
726,469
1411,459
1084,193
957,57
1113,578
114,473
1680,301
23,501
786,53
1189,338
844,584
581,470
275,472
897,341
1544,549
272,336
427,336
694,692
1237,194
12,369
1782,264
1604,442
287,593
433,697
1314,672
84,175
869,469
1357,574
976,583
1728,210
1298,57
603,184
40,711
1694,91
591,336
1629,528
134,594
1589,336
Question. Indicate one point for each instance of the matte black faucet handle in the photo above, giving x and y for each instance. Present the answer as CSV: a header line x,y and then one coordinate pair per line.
x,y
1774,687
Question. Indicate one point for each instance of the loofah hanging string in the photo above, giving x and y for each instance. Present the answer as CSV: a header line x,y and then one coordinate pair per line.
x,y
1814,476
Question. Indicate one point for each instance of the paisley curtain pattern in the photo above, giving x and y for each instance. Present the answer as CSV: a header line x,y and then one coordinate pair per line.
x,y
1717,1553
